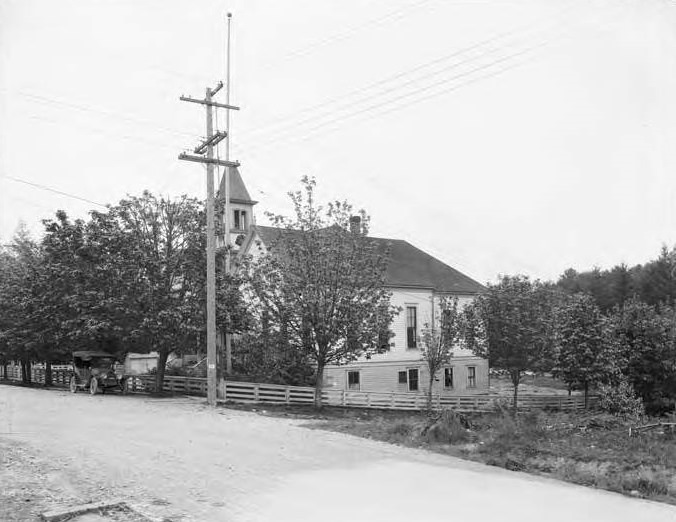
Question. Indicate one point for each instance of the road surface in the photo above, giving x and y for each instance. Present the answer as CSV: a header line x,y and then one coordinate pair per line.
x,y
177,457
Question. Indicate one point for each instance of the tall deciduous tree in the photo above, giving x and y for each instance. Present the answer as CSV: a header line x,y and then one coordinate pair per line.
x,y
647,337
437,340
322,284
511,326
19,315
586,350
168,250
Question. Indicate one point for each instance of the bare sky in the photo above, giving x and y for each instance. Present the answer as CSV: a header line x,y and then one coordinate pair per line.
x,y
502,136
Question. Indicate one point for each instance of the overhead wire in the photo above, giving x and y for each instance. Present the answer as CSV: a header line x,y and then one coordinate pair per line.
x,y
53,101
97,130
428,87
518,30
51,189
304,50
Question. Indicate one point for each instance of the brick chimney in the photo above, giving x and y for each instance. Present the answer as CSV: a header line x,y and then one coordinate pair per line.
x,y
355,224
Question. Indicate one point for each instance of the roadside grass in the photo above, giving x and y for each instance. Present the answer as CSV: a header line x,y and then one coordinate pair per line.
x,y
591,449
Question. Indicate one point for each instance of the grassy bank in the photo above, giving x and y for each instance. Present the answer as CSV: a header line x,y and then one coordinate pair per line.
x,y
590,449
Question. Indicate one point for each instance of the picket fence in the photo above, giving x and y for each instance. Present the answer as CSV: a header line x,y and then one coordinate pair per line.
x,y
248,392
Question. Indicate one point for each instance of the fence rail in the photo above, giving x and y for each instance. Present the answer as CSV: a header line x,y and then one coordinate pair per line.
x,y
249,392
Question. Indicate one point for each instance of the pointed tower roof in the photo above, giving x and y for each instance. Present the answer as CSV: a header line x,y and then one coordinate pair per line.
x,y
238,191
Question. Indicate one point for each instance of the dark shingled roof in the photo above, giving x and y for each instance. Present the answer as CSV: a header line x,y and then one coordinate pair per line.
x,y
238,191
408,267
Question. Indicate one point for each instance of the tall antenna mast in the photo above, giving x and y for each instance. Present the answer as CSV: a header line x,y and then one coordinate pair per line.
x,y
227,93
226,209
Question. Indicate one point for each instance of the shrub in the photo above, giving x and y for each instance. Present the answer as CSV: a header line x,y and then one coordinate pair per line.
x,y
647,481
447,428
620,400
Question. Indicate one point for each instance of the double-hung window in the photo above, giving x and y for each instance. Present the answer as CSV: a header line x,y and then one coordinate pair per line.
x,y
353,380
411,327
413,378
240,220
448,377
471,376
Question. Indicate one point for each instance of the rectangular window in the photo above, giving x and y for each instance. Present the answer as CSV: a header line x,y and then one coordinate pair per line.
x,y
413,379
411,327
448,377
240,219
471,376
353,380
402,377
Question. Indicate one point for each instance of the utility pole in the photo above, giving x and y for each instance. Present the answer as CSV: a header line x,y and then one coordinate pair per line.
x,y
207,147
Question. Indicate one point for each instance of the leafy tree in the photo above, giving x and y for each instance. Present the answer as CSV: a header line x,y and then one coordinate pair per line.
x,y
586,350
167,245
20,318
511,326
437,342
322,286
269,357
656,281
647,340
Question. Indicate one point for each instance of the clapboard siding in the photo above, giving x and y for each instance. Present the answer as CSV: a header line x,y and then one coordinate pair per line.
x,y
427,304
384,376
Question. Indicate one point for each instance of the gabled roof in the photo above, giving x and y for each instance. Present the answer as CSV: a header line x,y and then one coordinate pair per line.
x,y
411,267
238,191
408,266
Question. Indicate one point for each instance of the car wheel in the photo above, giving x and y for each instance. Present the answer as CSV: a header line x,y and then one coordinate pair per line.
x,y
73,384
94,387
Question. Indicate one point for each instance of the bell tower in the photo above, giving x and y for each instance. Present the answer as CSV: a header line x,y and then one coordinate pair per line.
x,y
241,208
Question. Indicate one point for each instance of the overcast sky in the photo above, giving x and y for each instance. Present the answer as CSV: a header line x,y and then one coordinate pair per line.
x,y
502,136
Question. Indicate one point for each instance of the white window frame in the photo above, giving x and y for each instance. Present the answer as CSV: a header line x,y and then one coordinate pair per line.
x,y
452,378
408,379
469,381
347,380
415,328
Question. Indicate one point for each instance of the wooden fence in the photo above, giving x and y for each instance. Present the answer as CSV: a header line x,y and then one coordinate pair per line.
x,y
249,392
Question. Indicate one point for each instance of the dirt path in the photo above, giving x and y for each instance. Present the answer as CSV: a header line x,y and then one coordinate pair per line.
x,y
179,458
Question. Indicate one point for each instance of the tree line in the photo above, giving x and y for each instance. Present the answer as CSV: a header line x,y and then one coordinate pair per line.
x,y
592,330
132,279
127,279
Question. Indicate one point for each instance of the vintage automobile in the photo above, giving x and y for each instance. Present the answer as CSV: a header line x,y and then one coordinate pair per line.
x,y
95,371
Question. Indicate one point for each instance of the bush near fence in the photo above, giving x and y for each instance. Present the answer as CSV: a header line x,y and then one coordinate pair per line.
x,y
249,392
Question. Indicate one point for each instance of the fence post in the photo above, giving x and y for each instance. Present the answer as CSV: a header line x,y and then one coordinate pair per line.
x,y
287,395
392,401
256,387
439,401
342,398
368,399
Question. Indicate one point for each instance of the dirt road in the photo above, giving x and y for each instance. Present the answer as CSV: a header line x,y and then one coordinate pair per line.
x,y
177,457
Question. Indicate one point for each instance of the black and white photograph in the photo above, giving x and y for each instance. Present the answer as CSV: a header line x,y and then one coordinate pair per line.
x,y
329,261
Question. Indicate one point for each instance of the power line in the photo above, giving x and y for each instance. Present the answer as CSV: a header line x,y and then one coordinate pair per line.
x,y
302,51
425,88
275,125
97,130
53,101
50,189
